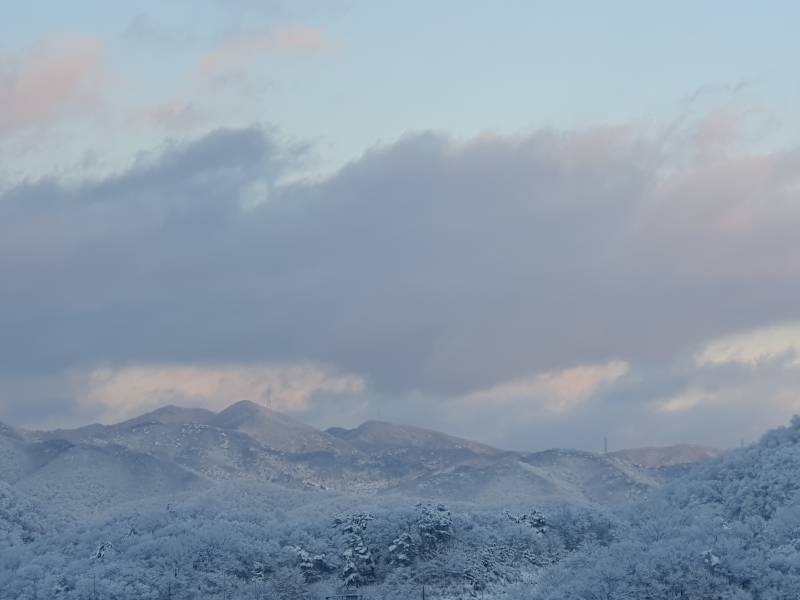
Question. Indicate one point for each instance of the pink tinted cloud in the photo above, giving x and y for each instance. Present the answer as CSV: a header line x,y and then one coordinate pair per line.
x,y
241,50
52,79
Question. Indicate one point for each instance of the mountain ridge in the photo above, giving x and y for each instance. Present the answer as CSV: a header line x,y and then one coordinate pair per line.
x,y
385,433
249,442
653,457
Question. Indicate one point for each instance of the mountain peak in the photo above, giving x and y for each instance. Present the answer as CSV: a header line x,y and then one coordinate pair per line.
x,y
274,429
173,415
382,433
243,411
245,407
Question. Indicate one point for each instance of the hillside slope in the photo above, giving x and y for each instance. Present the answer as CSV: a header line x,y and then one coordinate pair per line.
x,y
728,529
655,457
186,448
85,479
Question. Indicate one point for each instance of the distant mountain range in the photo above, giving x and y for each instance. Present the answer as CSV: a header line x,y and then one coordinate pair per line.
x,y
667,456
176,450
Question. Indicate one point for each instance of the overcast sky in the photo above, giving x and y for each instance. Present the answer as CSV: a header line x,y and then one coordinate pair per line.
x,y
532,224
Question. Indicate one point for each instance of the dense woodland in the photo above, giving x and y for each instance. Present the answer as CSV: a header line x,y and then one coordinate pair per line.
x,y
313,550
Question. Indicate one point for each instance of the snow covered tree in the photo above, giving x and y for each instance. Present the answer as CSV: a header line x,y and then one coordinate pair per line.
x,y
312,566
287,583
104,549
533,519
402,550
435,526
536,521
359,565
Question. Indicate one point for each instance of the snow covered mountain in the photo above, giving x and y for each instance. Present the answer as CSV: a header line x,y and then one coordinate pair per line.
x,y
277,431
727,528
174,451
667,456
15,459
381,437
95,478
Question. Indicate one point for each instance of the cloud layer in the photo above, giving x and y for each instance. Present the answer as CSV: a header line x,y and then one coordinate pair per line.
x,y
431,267
52,79
241,50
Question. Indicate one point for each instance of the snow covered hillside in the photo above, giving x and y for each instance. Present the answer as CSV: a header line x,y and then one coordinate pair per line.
x,y
174,451
667,456
729,529
290,547
187,504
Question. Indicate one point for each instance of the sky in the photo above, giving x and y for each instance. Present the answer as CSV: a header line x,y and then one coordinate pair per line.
x,y
533,224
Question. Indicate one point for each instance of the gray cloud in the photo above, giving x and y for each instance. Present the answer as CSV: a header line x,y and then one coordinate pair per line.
x,y
429,265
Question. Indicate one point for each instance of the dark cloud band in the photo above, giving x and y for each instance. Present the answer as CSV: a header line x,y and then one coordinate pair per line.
x,y
428,265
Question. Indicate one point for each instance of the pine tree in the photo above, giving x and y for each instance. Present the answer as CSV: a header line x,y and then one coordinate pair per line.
x,y
402,550
359,565
435,526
